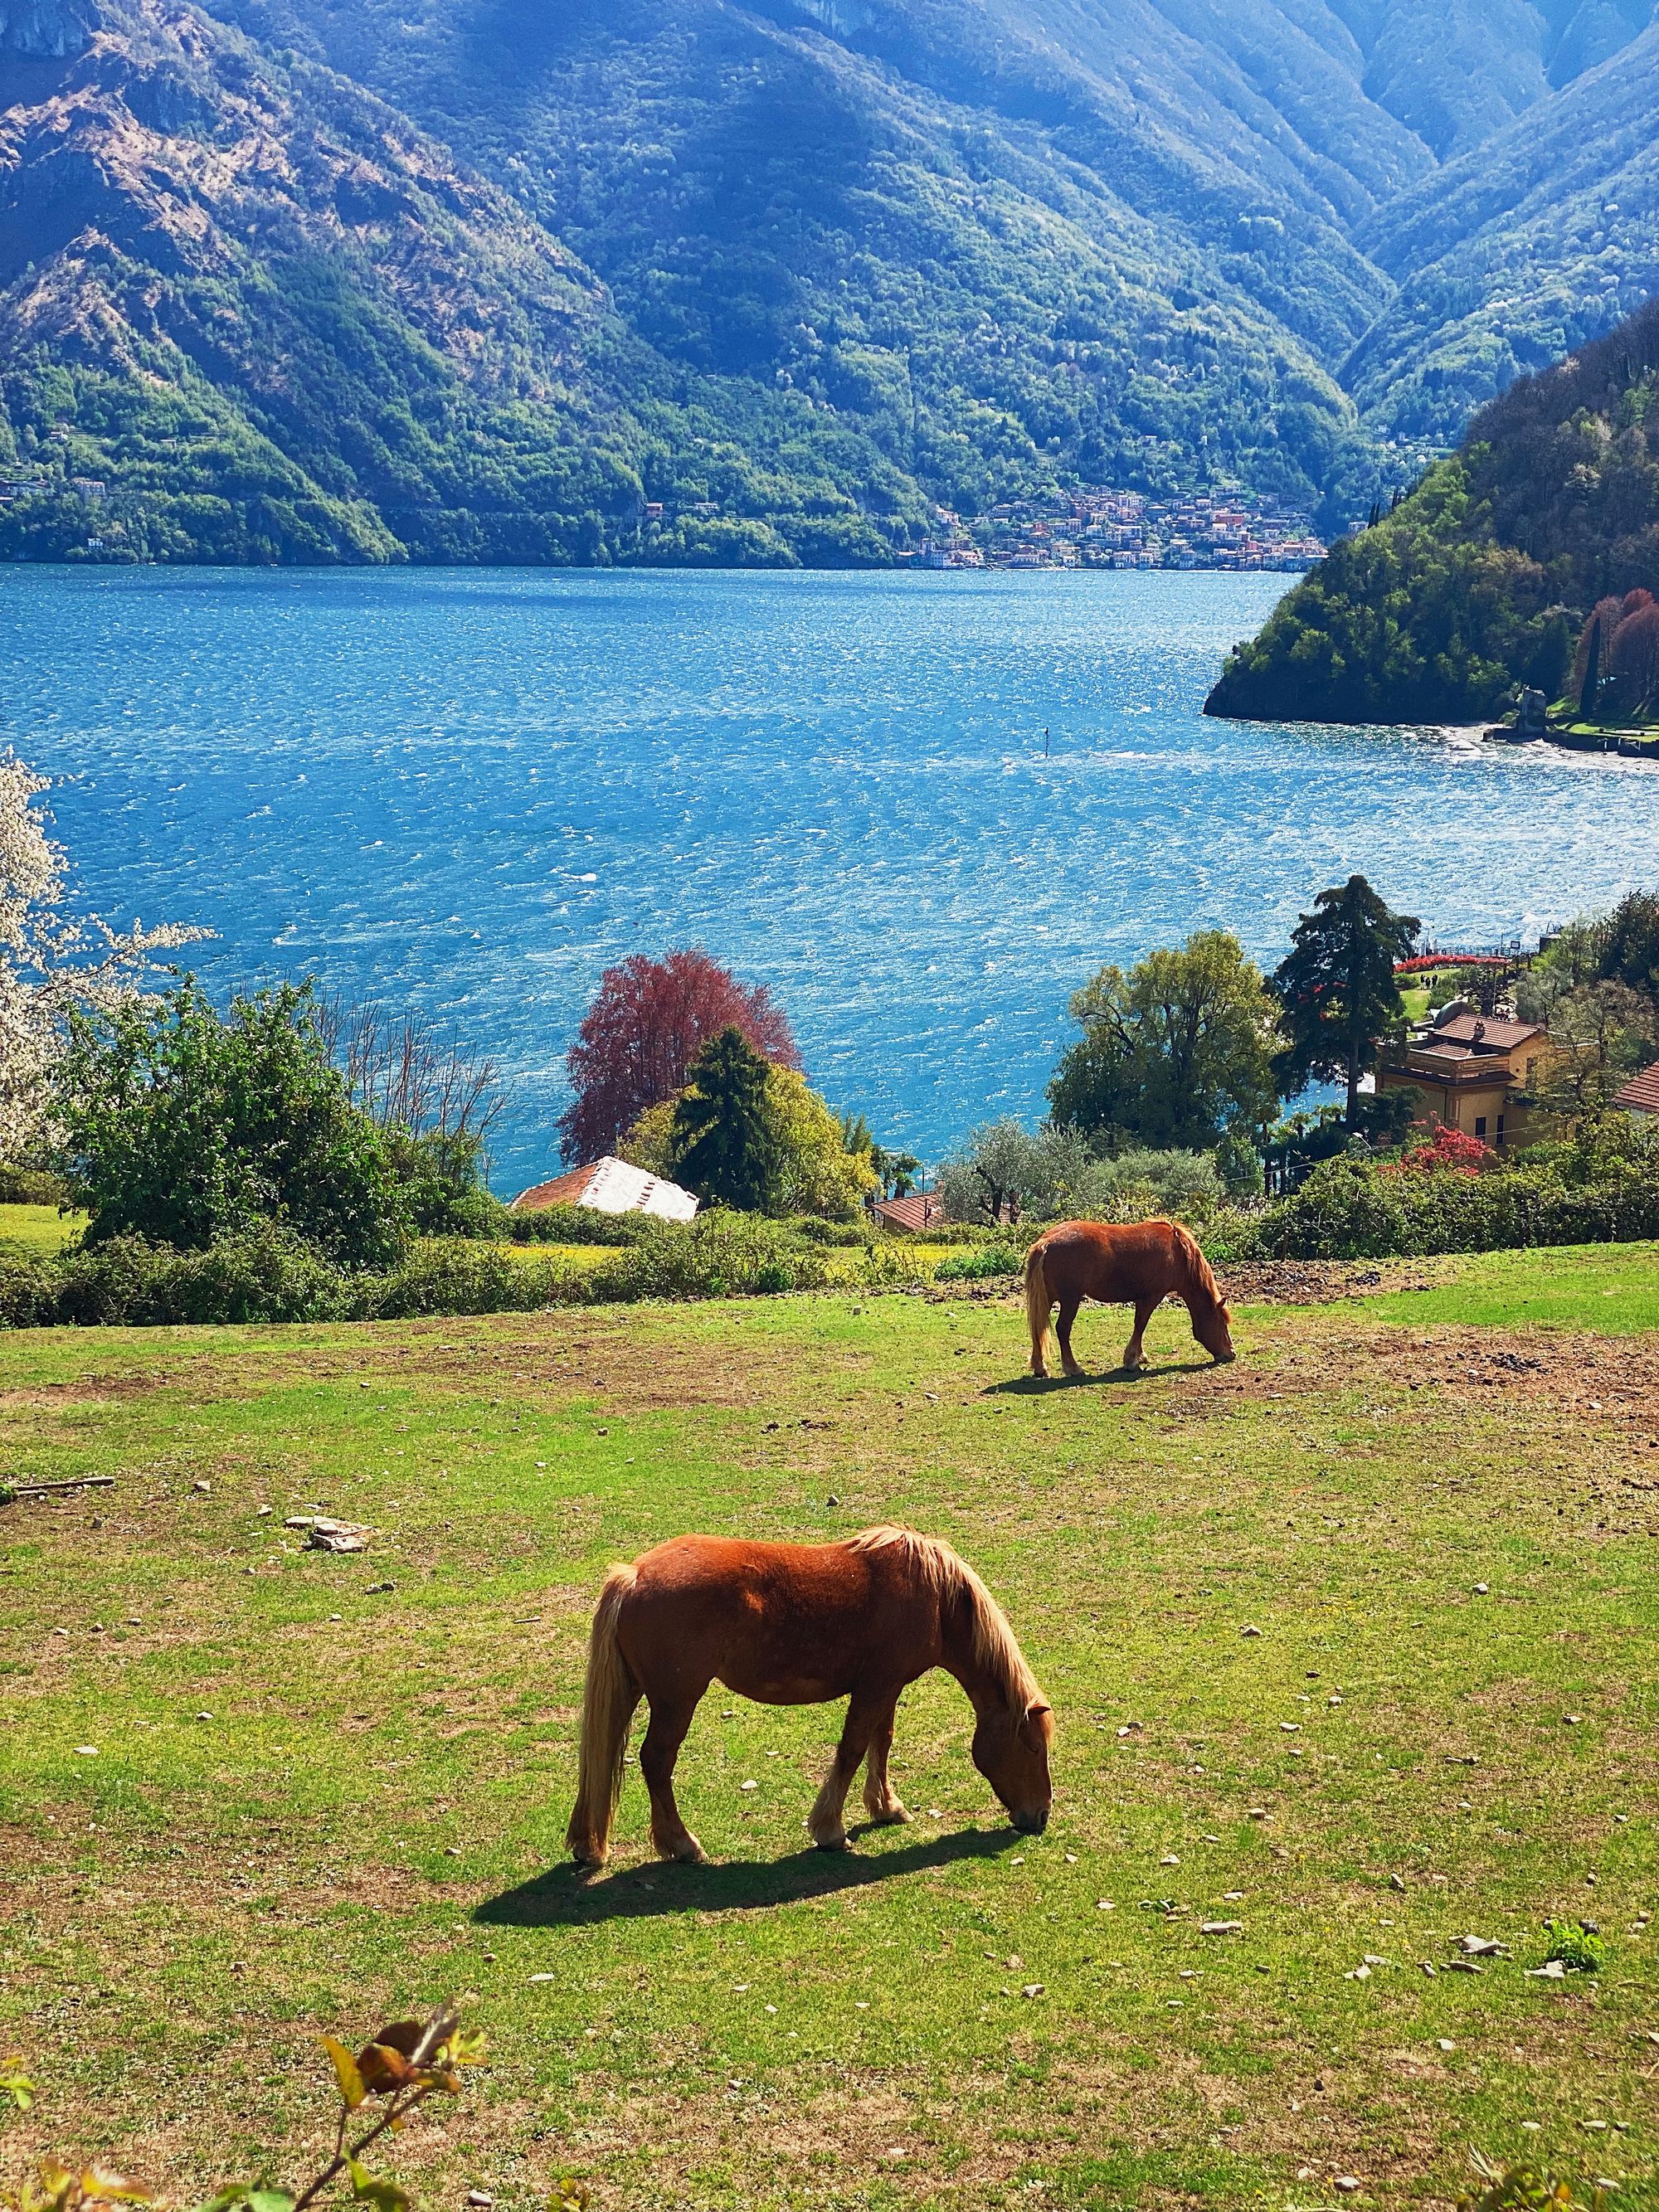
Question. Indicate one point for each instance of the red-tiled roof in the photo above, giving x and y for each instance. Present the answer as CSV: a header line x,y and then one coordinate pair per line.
x,y
1495,1035
1451,1065
1641,1094
923,1209
563,1190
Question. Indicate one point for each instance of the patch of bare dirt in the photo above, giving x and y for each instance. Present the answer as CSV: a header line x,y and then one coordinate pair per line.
x,y
1252,1283
1615,1377
86,1389
992,1290
1315,1282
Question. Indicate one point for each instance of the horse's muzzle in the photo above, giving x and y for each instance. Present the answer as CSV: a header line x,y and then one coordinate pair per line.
x,y
1030,1823
1223,1358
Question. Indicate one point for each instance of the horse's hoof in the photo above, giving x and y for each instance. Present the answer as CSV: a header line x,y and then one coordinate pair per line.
x,y
895,1816
688,1852
588,1857
835,1840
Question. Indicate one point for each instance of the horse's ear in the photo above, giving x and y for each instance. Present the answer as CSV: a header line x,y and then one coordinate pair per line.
x,y
1037,1723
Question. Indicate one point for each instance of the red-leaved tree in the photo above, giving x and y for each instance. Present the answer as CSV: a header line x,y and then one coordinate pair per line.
x,y
1447,1151
1635,656
647,1023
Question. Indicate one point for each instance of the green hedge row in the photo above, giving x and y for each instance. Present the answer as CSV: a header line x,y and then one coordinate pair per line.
x,y
1348,1210
265,1276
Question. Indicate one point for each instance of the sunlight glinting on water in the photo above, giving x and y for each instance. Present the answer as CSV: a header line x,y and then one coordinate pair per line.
x,y
468,791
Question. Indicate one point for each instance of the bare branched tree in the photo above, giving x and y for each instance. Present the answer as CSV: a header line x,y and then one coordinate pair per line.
x,y
405,1072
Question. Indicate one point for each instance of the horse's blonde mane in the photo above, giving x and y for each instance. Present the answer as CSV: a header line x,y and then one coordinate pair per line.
x,y
1200,1276
941,1571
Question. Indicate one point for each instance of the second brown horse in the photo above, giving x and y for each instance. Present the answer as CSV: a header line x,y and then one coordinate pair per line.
x,y
800,1624
1138,1263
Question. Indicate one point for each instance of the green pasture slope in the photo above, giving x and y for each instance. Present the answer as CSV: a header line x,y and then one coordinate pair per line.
x,y
315,1801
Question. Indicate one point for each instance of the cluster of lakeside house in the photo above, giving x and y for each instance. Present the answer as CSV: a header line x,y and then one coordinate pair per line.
x,y
1100,528
1478,1072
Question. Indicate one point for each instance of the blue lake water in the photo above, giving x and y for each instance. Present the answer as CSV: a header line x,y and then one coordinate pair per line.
x,y
468,791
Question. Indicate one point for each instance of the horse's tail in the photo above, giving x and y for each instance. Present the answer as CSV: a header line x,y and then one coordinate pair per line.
x,y
608,1701
1037,1304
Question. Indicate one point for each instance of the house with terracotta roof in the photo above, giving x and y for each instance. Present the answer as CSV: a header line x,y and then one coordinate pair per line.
x,y
1641,1094
922,1209
1474,1072
610,1186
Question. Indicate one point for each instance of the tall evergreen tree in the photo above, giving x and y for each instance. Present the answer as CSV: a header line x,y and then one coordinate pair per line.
x,y
724,1141
1337,987
1589,697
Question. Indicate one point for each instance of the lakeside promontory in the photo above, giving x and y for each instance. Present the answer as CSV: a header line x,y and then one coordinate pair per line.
x,y
1489,574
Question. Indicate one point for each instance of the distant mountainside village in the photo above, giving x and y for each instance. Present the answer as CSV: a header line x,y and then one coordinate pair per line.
x,y
1097,527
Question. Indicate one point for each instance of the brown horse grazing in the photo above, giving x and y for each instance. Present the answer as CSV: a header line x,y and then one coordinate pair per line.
x,y
1121,1263
797,1624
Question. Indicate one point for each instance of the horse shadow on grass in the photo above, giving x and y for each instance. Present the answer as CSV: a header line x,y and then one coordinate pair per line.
x,y
1041,1386
569,1897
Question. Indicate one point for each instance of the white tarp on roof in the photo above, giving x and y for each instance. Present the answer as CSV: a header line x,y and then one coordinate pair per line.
x,y
616,1188
612,1186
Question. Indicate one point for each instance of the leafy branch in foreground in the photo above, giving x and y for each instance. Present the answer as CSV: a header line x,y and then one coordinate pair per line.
x,y
400,2067
1523,2189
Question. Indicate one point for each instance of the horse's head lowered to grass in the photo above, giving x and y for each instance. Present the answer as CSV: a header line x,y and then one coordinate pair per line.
x,y
1011,1750
1013,1723
1214,1326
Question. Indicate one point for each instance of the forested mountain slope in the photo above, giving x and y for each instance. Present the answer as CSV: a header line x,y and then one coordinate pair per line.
x,y
1008,235
1483,577
1270,136
368,279
250,312
1514,256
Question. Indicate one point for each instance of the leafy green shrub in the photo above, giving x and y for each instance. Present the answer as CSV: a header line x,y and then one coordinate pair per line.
x,y
719,1254
458,1275
885,1263
1137,1185
1582,1950
980,1266
580,1224
261,1275
440,1176
182,1128
817,1230
265,1274
1231,1235
31,1186
951,1232
29,1291
1604,1192
1343,1210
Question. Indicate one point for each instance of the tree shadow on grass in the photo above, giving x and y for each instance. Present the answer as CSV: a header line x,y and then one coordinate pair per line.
x,y
569,1897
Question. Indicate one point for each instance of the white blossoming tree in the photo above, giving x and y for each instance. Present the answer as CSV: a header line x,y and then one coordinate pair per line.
x,y
50,961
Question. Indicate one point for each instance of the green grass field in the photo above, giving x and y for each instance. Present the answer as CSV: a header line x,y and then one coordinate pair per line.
x,y
322,1791
38,1229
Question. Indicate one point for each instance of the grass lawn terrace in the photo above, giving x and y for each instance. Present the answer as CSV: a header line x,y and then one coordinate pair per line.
x,y
322,1791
